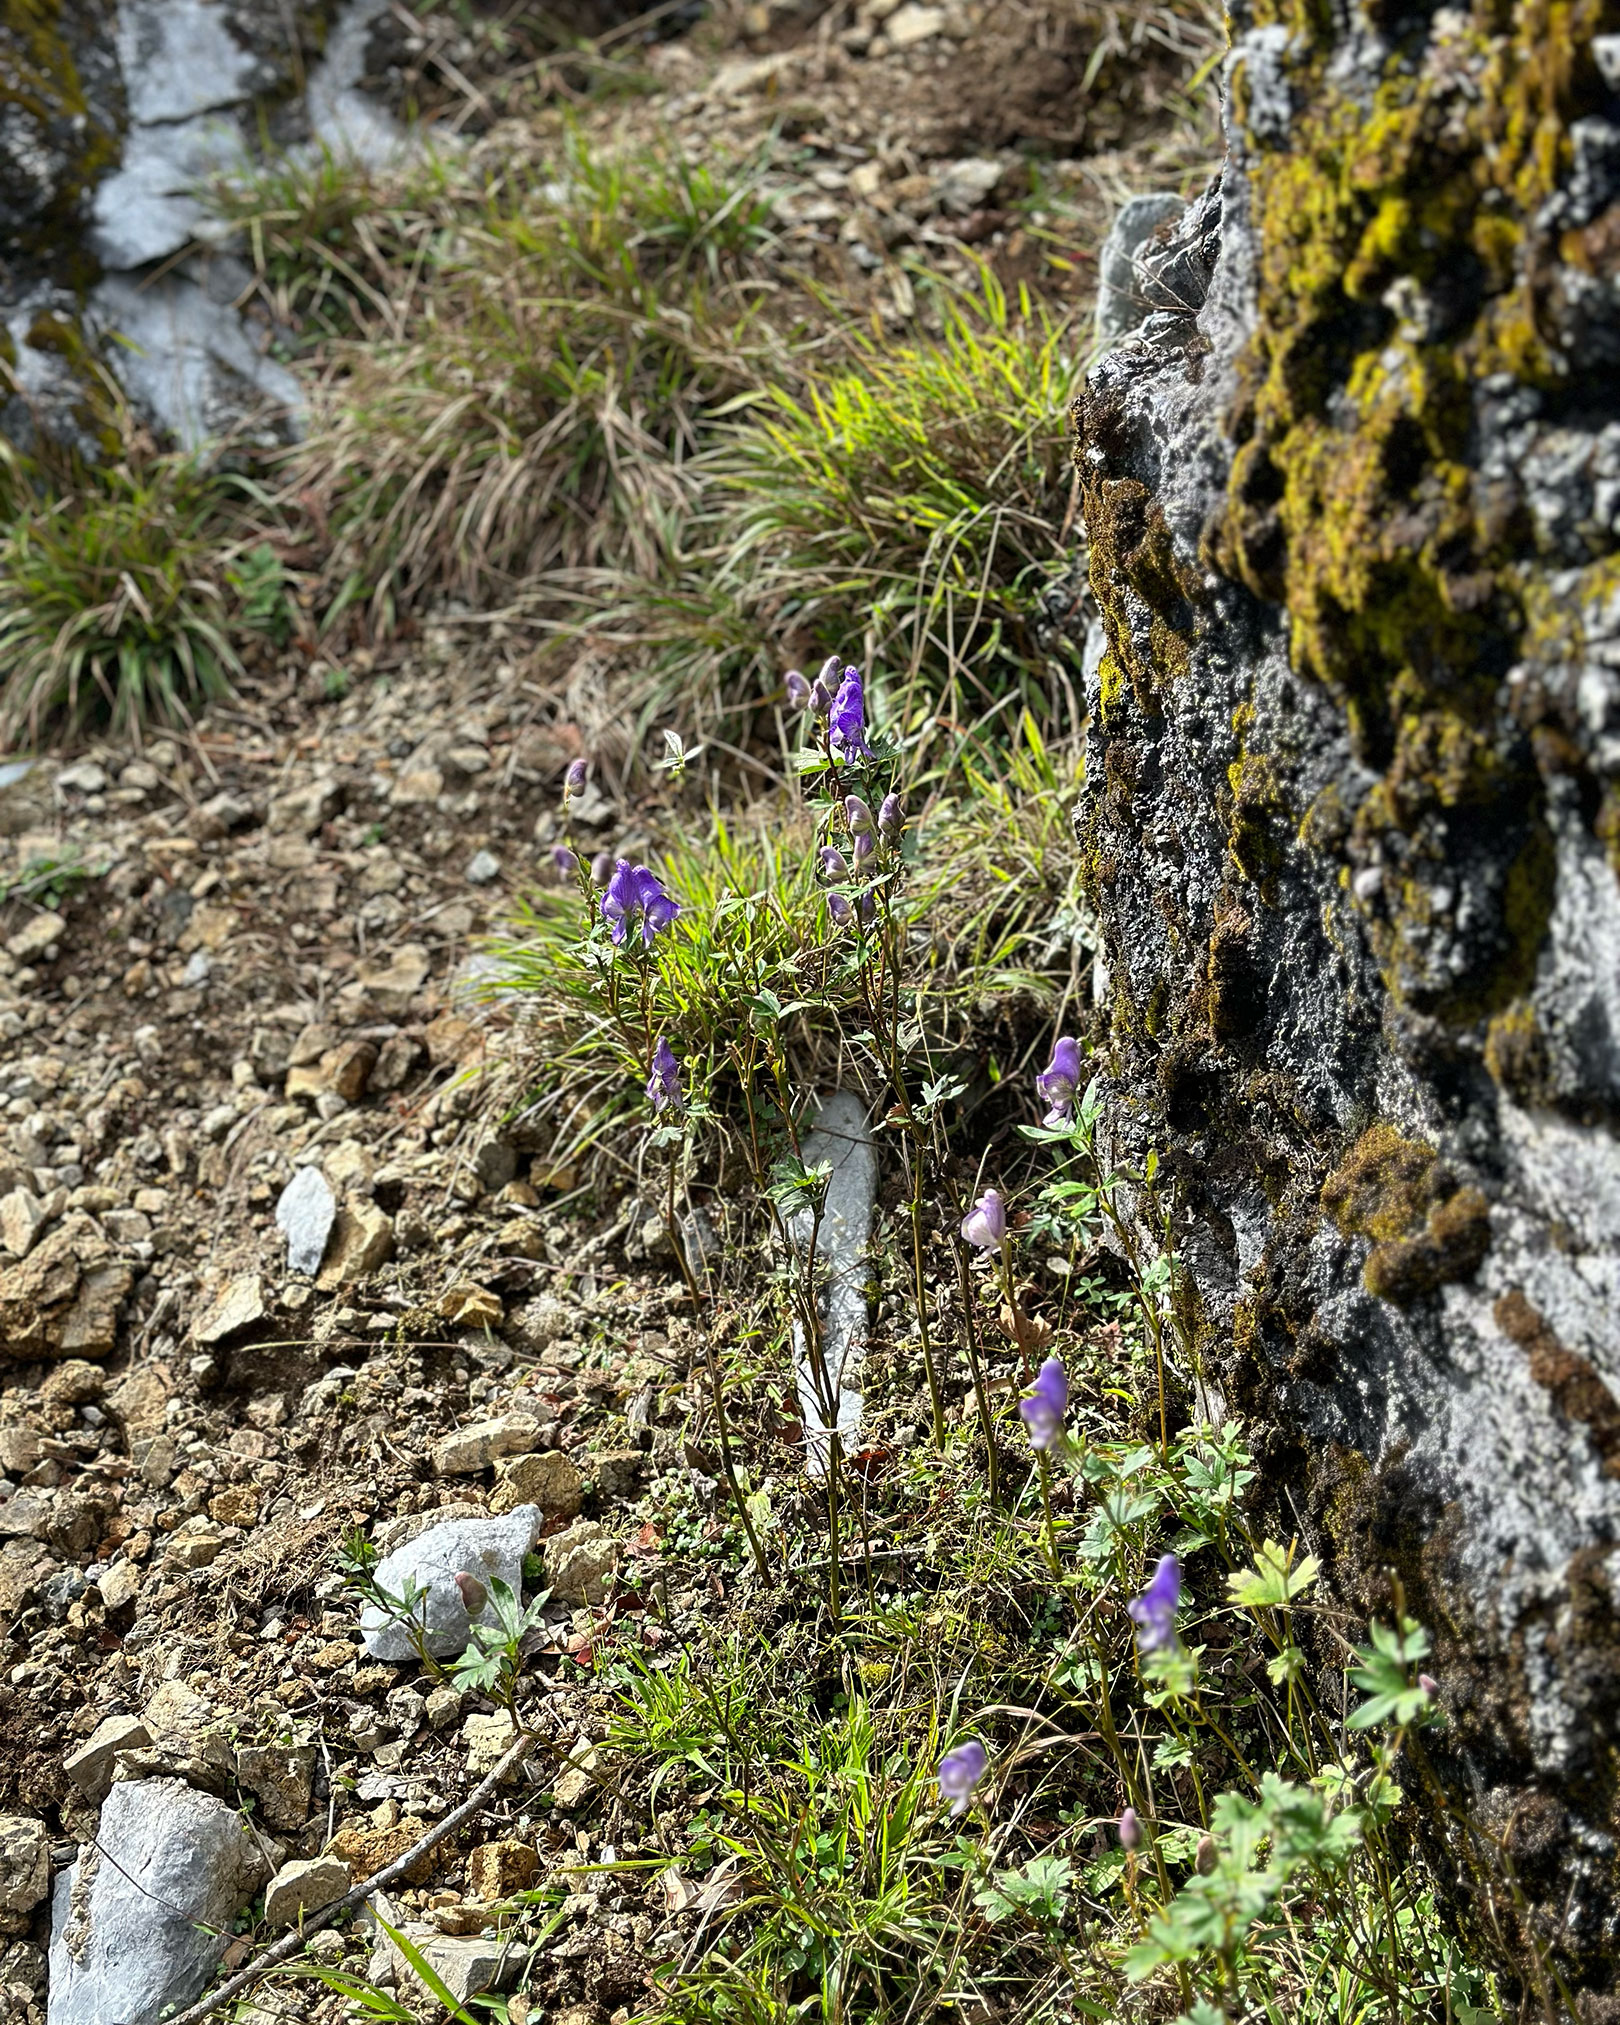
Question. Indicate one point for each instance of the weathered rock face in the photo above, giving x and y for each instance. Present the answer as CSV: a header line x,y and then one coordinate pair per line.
x,y
1352,827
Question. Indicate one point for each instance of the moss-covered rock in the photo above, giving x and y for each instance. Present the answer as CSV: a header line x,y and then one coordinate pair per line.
x,y
1350,826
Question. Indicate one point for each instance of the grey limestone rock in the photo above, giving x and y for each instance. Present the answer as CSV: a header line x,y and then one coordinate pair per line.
x,y
425,1569
1352,794
138,1922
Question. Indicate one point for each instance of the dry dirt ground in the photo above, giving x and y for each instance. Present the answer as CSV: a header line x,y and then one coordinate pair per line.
x,y
254,946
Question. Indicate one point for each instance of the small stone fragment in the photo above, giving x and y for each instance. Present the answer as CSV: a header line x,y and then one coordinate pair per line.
x,y
305,1215
119,1586
497,1869
482,868
25,1862
368,1850
477,1445
34,939
304,1887
548,1480
91,1766
579,1782
362,1241
466,1305
22,1216
579,1562
391,986
282,1777
488,1739
238,1307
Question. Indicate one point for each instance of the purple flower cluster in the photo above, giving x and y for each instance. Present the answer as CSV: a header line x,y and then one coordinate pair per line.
x,y
1058,1082
839,695
634,893
1154,1611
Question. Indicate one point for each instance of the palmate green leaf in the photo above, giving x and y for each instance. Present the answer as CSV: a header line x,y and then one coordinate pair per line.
x,y
1385,1676
1275,1579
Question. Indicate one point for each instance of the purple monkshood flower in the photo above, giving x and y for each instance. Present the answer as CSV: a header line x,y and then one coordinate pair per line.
x,y
563,863
1043,1411
634,891
664,1084
574,779
1058,1082
1154,1611
865,845
601,868
892,817
798,690
848,735
834,865
859,815
985,1224
1130,1829
959,1772
839,908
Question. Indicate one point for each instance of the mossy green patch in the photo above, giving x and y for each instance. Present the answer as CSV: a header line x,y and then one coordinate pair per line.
x,y
60,143
1400,265
1427,1229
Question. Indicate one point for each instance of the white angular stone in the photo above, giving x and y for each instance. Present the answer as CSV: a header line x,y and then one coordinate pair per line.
x,y
841,1136
427,1568
305,1216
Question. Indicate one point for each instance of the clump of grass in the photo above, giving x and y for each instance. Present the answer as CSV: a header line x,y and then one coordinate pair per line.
x,y
338,246
917,494
539,412
119,590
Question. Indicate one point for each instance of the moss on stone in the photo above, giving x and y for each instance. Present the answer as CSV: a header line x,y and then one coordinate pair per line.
x,y
1426,1229
1397,270
42,91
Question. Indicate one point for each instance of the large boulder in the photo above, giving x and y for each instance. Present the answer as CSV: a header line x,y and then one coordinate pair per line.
x,y
1352,827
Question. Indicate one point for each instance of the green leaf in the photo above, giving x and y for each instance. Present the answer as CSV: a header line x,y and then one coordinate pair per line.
x,y
1274,1581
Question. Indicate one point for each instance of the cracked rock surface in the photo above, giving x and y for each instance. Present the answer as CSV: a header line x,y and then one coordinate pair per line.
x,y
1352,794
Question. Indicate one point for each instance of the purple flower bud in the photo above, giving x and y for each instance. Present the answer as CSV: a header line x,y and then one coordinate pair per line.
x,y
798,690
574,779
473,1593
834,865
839,908
892,818
1206,1856
865,845
821,697
1154,1611
859,816
959,1772
1058,1082
985,1224
848,735
601,868
1043,1411
1428,1683
664,1084
1130,1829
564,863
830,671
